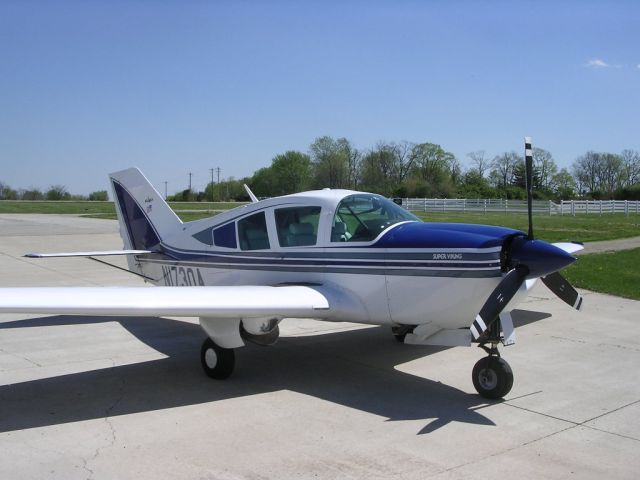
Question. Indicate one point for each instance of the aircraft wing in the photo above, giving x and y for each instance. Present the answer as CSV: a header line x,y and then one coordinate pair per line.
x,y
215,302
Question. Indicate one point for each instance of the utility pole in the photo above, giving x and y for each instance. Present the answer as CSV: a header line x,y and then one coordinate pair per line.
x,y
211,170
217,169
165,189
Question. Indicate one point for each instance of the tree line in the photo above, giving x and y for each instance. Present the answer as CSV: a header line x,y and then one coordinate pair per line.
x,y
407,169
54,192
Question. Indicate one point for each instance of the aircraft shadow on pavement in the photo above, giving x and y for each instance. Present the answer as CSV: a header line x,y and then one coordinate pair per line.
x,y
525,317
351,368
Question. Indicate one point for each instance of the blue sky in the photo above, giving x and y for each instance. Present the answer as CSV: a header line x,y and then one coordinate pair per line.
x,y
91,87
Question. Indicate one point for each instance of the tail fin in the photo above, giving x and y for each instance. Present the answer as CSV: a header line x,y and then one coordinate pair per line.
x,y
145,218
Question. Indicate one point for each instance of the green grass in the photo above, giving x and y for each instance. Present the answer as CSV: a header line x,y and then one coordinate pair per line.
x,y
616,273
552,228
555,228
62,207
99,208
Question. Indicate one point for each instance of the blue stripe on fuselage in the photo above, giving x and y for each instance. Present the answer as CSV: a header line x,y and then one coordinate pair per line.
x,y
435,263
444,249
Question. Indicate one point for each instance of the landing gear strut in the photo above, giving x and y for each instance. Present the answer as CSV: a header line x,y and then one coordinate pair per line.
x,y
401,331
217,362
492,376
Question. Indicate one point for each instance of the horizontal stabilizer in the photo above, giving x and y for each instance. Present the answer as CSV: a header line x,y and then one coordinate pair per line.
x,y
220,302
88,254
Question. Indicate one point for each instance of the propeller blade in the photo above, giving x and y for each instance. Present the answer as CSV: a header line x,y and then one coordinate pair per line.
x,y
563,289
498,299
528,165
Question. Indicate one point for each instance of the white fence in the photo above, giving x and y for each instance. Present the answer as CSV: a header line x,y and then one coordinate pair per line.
x,y
573,207
565,207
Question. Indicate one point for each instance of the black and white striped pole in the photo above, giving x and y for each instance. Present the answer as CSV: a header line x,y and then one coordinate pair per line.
x,y
528,165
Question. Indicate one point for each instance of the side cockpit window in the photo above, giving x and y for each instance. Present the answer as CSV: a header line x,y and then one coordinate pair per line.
x,y
225,236
362,217
252,232
297,226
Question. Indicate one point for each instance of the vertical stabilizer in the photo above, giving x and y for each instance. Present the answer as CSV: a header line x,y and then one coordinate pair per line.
x,y
145,218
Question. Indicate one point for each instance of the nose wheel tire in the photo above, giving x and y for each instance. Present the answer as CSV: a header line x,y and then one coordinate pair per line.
x,y
217,362
492,377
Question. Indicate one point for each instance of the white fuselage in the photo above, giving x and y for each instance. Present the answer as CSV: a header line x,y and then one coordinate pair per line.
x,y
442,286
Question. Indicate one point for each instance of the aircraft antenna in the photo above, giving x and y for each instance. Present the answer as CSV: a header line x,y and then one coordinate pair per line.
x,y
253,198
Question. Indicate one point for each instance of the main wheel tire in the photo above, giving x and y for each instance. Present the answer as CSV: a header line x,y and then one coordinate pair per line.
x,y
492,377
217,362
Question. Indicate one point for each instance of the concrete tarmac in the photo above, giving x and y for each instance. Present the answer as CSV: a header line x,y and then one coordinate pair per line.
x,y
101,398
611,245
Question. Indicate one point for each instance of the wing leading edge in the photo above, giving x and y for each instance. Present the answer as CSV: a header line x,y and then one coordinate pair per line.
x,y
214,302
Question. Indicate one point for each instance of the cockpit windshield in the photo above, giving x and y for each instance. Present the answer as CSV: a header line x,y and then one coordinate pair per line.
x,y
361,217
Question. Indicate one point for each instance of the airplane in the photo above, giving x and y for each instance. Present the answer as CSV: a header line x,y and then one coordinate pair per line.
x,y
330,254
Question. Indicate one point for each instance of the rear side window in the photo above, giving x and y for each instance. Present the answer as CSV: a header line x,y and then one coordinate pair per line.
x,y
252,232
225,236
297,226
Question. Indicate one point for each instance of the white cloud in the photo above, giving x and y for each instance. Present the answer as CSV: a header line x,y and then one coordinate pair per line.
x,y
596,63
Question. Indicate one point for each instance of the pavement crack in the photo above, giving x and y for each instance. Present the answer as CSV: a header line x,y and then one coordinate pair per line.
x,y
26,359
584,422
552,434
611,411
622,347
108,422
85,466
567,339
542,414
621,435
535,440
503,451
523,396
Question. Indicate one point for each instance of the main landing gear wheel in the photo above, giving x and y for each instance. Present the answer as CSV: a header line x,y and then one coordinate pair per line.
x,y
217,362
492,377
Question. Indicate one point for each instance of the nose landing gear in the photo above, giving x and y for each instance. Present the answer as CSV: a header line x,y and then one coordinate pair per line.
x,y
492,376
